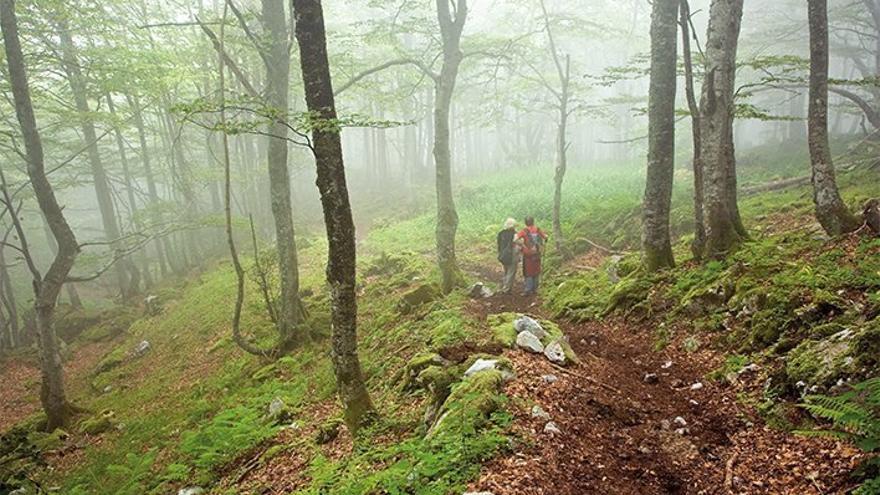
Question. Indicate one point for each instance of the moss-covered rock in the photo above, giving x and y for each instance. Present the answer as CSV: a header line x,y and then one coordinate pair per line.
x,y
99,424
328,431
470,404
419,296
414,368
821,362
45,442
503,329
629,293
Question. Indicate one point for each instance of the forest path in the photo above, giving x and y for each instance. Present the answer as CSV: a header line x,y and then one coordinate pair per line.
x,y
635,420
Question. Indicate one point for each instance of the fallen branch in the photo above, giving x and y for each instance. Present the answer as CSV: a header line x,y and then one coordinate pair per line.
x,y
728,472
776,185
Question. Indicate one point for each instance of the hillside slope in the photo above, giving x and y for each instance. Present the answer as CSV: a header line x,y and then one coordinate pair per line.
x,y
191,410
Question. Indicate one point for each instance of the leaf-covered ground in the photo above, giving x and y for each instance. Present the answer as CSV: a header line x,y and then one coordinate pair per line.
x,y
194,410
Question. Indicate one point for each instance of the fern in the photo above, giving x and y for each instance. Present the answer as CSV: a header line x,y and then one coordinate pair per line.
x,y
855,417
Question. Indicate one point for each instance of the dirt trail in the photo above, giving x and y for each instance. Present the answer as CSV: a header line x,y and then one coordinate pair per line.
x,y
625,434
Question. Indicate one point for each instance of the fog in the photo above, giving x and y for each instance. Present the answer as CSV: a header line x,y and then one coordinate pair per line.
x,y
159,144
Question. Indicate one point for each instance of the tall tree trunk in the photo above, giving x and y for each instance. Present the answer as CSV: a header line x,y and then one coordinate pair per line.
x,y
7,298
341,261
72,294
831,212
134,274
724,230
277,86
444,86
46,288
656,239
699,224
152,191
103,193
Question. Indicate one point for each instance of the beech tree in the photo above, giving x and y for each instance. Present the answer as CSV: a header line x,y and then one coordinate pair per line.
x,y
831,211
342,254
724,228
656,240
46,287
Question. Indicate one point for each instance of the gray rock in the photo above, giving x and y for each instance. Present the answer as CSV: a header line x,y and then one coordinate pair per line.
x,y
539,413
680,421
555,353
528,324
528,341
650,378
548,379
193,490
276,407
551,429
142,348
697,386
480,291
481,365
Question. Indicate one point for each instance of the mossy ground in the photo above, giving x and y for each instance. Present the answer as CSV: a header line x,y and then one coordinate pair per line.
x,y
194,404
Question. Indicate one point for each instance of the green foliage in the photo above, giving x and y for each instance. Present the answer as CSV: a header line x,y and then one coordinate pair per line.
x,y
229,432
855,416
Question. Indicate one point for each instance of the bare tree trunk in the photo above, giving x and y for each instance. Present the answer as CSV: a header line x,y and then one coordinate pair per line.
x,y
831,212
563,71
152,191
292,314
341,261
723,225
447,218
699,223
46,288
656,239
99,175
134,274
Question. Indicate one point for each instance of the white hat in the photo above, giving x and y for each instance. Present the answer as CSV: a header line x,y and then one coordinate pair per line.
x,y
509,223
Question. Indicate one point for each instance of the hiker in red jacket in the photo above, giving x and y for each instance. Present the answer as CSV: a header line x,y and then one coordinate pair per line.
x,y
531,243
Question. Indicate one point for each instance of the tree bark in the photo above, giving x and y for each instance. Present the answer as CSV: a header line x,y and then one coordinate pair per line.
x,y
656,239
103,193
451,28
291,314
134,273
341,262
831,211
161,246
699,223
724,230
46,288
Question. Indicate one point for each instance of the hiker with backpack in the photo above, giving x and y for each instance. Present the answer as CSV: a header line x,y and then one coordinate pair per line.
x,y
531,241
508,255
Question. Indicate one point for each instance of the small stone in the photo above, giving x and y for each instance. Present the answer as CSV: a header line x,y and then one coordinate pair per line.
x,y
682,431
680,421
697,386
694,403
480,291
142,348
667,365
528,324
651,378
108,389
481,365
539,413
676,383
551,429
548,379
528,341
752,368
555,353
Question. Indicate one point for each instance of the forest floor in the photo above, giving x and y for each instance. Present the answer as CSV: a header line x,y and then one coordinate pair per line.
x,y
637,420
